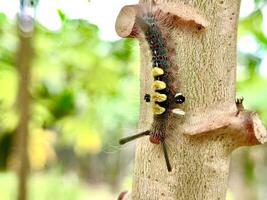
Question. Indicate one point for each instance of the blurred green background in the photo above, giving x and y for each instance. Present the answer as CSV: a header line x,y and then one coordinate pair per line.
x,y
85,95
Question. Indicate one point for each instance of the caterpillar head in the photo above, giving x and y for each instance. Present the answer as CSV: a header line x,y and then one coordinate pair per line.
x,y
155,138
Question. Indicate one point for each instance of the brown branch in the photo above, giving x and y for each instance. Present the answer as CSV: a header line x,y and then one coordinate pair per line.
x,y
245,126
125,23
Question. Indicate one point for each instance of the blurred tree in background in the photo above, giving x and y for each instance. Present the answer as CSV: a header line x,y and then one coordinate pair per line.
x,y
85,96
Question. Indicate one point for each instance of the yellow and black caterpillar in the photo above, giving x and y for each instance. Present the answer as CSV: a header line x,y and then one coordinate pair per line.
x,y
163,97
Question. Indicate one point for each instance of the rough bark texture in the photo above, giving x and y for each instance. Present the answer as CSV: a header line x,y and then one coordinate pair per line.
x,y
200,144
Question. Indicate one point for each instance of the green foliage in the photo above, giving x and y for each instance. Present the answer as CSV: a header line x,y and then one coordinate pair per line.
x,y
50,185
251,84
83,91
253,22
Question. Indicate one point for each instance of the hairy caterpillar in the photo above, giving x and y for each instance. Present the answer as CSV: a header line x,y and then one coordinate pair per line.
x,y
163,97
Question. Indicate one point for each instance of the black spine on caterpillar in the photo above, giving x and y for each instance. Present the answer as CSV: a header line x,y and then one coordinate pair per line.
x,y
162,97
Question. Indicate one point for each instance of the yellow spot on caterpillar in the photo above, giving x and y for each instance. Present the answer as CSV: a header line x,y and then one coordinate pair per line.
x,y
156,71
158,110
159,97
158,85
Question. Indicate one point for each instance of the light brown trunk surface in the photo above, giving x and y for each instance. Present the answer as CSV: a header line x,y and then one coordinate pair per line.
x,y
20,154
199,144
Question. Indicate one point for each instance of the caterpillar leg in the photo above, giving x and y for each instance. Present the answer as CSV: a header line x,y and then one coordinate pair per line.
x,y
166,155
133,137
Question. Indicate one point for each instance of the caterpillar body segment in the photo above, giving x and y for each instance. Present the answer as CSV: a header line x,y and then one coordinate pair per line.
x,y
158,51
158,110
157,71
158,85
158,97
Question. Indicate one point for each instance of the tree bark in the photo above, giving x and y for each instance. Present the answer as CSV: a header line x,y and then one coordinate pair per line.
x,y
199,144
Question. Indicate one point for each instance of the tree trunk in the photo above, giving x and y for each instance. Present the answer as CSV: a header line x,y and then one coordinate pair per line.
x,y
204,64
23,63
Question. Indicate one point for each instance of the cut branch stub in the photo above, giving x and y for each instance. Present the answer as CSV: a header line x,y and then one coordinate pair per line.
x,y
246,127
126,21
181,14
172,15
256,132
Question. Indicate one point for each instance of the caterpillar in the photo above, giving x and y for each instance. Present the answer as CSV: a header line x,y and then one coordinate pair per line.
x,y
163,97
